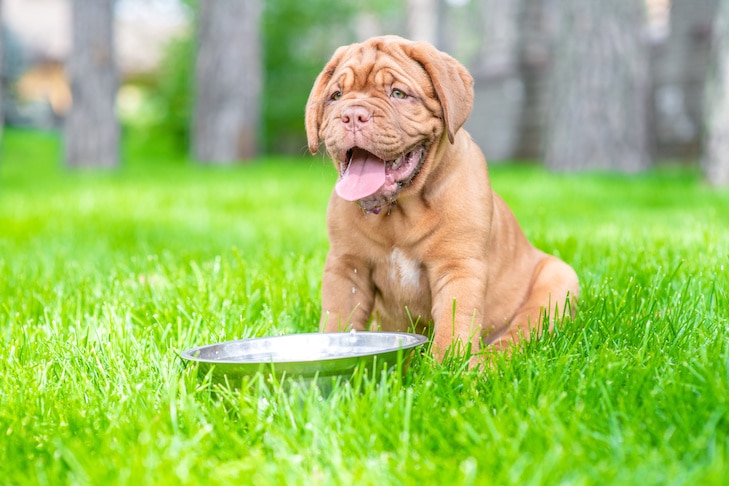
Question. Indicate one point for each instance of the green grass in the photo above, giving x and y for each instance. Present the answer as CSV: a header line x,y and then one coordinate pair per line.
x,y
105,277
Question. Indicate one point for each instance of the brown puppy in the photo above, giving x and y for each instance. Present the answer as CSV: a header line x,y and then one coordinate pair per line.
x,y
417,235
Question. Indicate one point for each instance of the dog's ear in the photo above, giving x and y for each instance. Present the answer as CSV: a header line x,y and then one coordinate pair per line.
x,y
452,82
315,104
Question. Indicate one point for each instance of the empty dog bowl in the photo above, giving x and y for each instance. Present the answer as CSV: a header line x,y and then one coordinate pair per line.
x,y
309,356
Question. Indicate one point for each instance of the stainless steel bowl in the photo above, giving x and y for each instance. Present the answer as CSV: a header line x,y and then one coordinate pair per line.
x,y
305,357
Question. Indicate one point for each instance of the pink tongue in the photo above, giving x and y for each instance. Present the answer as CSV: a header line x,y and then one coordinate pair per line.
x,y
365,175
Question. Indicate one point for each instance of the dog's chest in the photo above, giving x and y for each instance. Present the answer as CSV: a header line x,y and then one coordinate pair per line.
x,y
404,271
401,282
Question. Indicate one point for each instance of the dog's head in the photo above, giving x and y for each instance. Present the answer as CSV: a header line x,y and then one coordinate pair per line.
x,y
381,107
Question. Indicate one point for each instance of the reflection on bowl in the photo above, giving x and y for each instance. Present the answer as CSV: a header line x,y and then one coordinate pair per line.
x,y
305,357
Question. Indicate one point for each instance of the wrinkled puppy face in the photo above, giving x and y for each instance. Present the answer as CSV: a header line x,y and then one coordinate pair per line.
x,y
380,118
377,110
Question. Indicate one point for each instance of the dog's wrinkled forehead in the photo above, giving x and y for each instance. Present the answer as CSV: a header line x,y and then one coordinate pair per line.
x,y
380,64
391,66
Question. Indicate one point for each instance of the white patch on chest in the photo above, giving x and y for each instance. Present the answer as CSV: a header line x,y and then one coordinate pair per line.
x,y
404,270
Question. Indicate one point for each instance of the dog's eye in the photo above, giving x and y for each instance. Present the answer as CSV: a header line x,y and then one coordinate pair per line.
x,y
335,96
400,95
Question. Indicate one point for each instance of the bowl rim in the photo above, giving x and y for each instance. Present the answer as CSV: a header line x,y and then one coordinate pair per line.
x,y
191,354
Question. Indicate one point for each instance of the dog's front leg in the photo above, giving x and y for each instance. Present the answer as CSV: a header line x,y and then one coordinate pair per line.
x,y
458,311
347,294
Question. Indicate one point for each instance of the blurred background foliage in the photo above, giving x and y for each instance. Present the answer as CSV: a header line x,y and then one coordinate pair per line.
x,y
296,40
533,65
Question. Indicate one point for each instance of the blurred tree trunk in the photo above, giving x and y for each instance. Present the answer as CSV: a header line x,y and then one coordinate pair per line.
x,y
366,25
92,129
537,32
498,85
422,20
228,72
716,145
499,38
599,90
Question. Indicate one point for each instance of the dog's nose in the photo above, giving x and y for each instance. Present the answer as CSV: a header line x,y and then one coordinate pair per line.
x,y
355,118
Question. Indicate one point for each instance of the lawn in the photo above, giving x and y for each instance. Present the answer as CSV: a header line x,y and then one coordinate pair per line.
x,y
106,277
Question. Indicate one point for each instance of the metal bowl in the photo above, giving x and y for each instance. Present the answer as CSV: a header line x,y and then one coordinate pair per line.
x,y
310,356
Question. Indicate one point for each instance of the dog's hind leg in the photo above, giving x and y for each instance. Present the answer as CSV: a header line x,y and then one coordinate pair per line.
x,y
552,295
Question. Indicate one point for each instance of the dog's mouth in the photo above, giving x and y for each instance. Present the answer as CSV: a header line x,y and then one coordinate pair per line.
x,y
373,181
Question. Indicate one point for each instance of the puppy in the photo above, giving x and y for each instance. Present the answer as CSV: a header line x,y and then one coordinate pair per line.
x,y
418,238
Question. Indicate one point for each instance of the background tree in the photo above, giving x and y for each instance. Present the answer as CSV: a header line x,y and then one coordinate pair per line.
x,y
422,20
228,81
536,34
598,110
498,87
679,66
92,129
716,146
